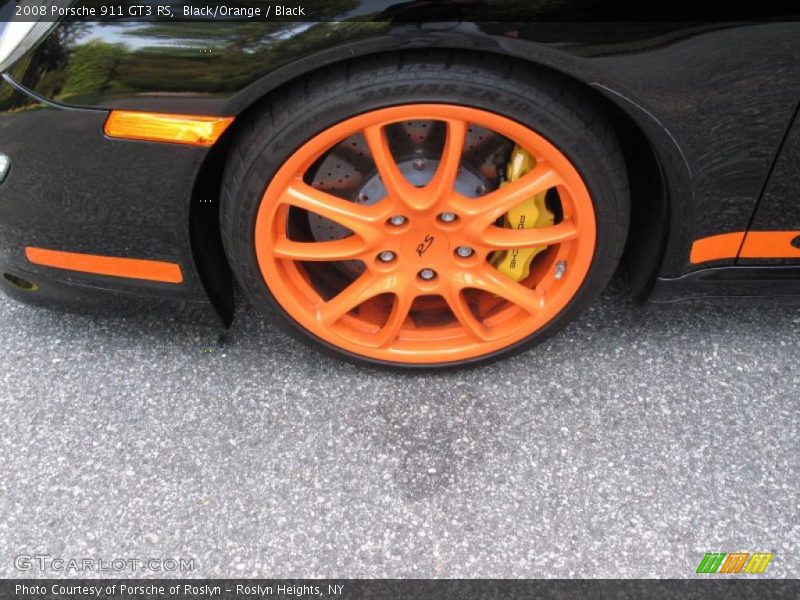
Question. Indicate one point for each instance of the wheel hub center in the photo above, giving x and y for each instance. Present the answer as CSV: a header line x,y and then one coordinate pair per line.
x,y
425,246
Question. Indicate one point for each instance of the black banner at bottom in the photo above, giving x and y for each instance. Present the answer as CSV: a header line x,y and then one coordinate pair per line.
x,y
389,589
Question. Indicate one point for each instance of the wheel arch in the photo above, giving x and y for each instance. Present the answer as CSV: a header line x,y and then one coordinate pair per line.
x,y
650,210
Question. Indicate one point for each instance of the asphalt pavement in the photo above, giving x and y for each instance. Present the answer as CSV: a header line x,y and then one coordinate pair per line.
x,y
629,445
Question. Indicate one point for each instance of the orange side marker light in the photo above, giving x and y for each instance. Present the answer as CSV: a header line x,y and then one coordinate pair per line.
x,y
158,127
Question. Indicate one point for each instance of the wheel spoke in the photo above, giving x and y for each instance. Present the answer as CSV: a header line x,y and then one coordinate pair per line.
x,y
402,305
499,238
359,219
444,179
494,282
462,312
397,186
362,289
497,203
344,249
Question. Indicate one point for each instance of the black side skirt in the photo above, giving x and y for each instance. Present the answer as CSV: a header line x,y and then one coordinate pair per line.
x,y
778,282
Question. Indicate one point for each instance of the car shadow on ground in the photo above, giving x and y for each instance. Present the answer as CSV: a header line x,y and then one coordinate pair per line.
x,y
613,319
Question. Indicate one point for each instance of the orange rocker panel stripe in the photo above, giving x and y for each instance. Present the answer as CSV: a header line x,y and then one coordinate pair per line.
x,y
770,244
132,268
753,244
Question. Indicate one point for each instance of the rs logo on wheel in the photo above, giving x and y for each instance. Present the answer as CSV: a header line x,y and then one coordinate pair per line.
x,y
426,243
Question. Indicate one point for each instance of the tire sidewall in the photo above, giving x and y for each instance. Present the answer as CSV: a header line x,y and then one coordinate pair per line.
x,y
293,124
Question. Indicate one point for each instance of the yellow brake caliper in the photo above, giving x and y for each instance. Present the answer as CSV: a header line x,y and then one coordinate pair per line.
x,y
533,212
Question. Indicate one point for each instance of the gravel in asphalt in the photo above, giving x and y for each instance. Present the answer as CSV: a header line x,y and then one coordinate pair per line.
x,y
629,445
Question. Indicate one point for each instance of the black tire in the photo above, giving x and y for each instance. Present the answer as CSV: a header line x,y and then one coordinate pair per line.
x,y
556,109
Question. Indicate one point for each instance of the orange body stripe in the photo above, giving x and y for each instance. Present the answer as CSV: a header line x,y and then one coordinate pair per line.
x,y
133,268
770,244
716,247
753,244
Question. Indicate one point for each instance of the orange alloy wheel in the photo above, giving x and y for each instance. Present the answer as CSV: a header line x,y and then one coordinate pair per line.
x,y
424,290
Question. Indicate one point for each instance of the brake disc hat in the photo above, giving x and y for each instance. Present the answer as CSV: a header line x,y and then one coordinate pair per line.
x,y
345,171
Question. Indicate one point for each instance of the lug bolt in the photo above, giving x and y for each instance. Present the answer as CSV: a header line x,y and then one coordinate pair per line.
x,y
481,189
386,256
397,220
362,197
447,217
418,164
464,251
427,274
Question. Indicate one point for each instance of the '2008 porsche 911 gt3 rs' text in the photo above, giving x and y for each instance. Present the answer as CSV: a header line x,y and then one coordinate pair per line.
x,y
399,190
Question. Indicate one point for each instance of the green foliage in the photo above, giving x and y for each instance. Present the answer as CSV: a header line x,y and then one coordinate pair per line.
x,y
165,58
92,68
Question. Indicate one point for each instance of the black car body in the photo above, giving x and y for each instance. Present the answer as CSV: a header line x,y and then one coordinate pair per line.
x,y
706,112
